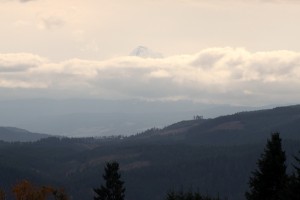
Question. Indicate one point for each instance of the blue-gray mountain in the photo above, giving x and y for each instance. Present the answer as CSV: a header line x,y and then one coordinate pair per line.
x,y
12,134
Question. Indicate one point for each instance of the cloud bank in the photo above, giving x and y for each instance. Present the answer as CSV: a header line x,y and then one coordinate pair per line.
x,y
215,75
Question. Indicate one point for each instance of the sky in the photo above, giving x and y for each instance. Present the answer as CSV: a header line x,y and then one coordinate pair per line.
x,y
238,52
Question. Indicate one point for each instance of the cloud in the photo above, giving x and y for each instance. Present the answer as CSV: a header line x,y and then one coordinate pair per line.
x,y
268,1
19,62
13,84
219,75
25,1
22,1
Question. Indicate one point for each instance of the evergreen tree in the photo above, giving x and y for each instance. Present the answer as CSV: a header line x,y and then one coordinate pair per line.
x,y
294,183
269,181
113,188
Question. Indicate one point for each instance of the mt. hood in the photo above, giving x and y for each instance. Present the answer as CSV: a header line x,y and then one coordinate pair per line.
x,y
144,52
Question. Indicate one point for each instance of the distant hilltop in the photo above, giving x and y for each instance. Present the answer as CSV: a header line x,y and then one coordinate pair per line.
x,y
13,134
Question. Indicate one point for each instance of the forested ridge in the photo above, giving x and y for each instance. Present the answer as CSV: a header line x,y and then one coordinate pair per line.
x,y
181,157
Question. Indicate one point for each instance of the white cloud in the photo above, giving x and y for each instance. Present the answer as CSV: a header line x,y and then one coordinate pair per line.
x,y
19,62
220,75
22,1
246,1
13,84
25,1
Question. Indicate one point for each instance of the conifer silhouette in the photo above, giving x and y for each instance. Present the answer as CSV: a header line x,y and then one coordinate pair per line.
x,y
113,188
269,181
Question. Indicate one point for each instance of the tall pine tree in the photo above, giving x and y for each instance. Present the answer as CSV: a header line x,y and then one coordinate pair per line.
x,y
269,181
294,182
113,188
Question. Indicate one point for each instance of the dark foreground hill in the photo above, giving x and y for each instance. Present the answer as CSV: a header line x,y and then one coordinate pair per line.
x,y
212,156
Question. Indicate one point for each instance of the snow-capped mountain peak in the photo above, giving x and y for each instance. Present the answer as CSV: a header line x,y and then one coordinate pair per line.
x,y
144,52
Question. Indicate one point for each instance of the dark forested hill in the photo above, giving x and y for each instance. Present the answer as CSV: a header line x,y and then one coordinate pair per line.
x,y
212,156
240,128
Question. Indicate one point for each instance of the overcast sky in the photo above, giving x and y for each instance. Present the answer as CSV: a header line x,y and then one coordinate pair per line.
x,y
243,52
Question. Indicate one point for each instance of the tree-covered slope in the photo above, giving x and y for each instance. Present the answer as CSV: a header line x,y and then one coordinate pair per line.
x,y
240,128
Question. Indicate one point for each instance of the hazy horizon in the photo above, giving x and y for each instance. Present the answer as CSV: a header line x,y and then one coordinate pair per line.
x,y
94,117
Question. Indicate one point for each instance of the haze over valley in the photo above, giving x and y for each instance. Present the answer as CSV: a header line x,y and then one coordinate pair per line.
x,y
98,118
